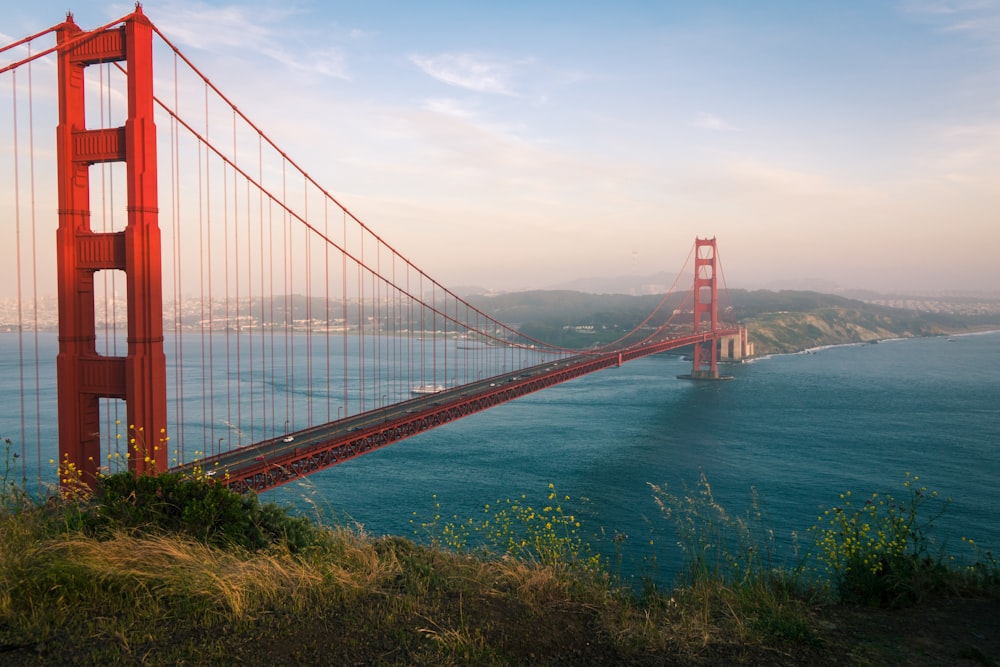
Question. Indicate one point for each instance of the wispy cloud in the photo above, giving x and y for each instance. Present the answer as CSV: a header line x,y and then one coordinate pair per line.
x,y
709,121
327,62
472,72
974,17
264,29
449,106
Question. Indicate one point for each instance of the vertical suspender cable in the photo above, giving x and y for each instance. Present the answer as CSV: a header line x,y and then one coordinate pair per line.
x,y
263,338
326,301
237,431
286,227
179,451
206,307
454,346
270,280
376,332
211,279
260,222
309,325
434,336
34,283
226,320
397,356
361,327
17,247
343,315
249,316
408,319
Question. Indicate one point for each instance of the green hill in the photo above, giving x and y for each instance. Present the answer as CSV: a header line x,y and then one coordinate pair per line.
x,y
783,321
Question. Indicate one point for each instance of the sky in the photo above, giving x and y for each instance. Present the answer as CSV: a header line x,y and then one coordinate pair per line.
x,y
526,144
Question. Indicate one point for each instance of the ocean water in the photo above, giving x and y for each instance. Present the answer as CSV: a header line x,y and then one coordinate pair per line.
x,y
799,429
796,429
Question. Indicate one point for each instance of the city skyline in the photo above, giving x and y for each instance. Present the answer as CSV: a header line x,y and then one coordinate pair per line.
x,y
526,146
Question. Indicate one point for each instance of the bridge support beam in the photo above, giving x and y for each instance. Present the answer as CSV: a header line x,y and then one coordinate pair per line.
x,y
83,375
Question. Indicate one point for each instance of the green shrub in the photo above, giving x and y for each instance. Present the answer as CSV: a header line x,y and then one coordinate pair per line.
x,y
203,509
879,552
542,532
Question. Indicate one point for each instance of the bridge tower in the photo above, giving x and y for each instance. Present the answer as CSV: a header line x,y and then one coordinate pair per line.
x,y
84,376
705,366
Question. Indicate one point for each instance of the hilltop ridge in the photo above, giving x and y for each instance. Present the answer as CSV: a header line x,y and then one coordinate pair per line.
x,y
779,321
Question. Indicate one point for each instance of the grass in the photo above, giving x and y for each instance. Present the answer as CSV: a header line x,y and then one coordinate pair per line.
x,y
170,570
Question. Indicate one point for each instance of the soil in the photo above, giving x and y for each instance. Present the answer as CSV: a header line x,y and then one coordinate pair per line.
x,y
943,632
946,633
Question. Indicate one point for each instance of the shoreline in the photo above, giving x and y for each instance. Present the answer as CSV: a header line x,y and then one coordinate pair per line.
x,y
827,346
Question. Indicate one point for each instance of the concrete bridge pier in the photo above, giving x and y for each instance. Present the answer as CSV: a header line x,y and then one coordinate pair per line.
x,y
736,347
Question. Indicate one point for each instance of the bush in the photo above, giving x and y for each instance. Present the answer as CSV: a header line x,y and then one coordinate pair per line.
x,y
203,509
541,532
880,552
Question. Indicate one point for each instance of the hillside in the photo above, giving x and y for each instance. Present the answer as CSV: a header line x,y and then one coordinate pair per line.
x,y
791,332
851,322
779,322
170,570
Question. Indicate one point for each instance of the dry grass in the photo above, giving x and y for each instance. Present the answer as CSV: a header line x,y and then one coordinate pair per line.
x,y
161,600
157,598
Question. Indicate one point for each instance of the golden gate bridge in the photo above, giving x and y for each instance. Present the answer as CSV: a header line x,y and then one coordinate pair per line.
x,y
218,309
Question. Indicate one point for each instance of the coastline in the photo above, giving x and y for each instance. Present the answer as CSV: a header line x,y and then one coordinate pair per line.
x,y
827,346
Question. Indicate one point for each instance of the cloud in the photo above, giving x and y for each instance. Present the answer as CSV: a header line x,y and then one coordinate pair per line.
x,y
469,71
327,62
950,7
973,17
213,28
449,106
238,28
708,121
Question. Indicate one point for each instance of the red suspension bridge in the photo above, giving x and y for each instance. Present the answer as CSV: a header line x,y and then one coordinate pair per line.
x,y
218,309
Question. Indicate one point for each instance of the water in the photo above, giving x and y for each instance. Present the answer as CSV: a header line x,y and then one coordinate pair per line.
x,y
799,428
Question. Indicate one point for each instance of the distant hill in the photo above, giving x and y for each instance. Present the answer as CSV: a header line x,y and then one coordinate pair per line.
x,y
790,321
779,321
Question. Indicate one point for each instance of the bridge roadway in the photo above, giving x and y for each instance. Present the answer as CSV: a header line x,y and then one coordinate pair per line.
x,y
276,461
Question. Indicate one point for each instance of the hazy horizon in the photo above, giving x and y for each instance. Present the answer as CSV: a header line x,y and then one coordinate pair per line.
x,y
528,145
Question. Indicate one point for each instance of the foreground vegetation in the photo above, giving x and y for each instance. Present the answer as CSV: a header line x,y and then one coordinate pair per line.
x,y
173,570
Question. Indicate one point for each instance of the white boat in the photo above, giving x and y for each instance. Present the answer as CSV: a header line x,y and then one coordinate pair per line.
x,y
424,389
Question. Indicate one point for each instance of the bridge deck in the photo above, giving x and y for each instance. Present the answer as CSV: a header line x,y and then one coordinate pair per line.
x,y
276,461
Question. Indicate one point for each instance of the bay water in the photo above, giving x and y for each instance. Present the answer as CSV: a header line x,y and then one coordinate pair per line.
x,y
798,430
